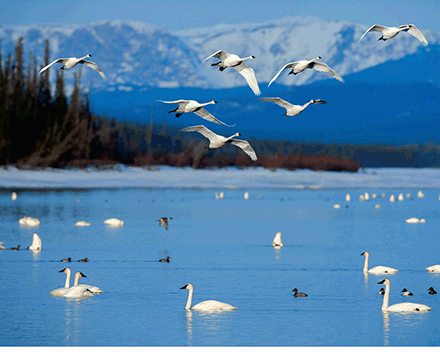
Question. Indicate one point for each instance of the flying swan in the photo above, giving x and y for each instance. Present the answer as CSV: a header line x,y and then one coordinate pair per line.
x,y
195,107
391,32
232,60
72,62
293,110
36,245
217,141
377,269
400,307
205,305
301,65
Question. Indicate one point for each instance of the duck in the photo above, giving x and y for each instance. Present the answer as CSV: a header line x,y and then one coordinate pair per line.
x,y
377,269
15,248
299,294
431,291
66,260
293,110
194,106
71,62
62,290
301,65
82,223
85,260
114,222
217,141
209,305
433,268
391,32
28,221
36,245
405,292
232,60
167,260
277,240
164,221
400,307
381,291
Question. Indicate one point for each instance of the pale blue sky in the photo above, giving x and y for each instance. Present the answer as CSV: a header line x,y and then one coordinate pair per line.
x,y
174,15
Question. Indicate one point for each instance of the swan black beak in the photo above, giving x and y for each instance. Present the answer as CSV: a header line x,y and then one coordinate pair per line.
x,y
381,282
61,271
182,288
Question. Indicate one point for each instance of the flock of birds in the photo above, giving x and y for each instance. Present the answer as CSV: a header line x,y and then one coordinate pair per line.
x,y
228,60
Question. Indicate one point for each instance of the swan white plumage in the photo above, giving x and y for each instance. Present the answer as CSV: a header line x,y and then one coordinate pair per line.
x,y
377,269
1,245
205,305
433,268
420,194
217,141
36,245
301,65
412,221
232,60
62,290
400,307
347,197
277,240
293,110
186,106
91,288
82,223
14,196
71,62
114,222
28,221
391,32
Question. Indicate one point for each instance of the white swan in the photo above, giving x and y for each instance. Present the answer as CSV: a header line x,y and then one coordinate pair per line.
x,y
71,62
392,198
114,222
28,221
82,223
62,290
400,197
277,240
377,269
399,307
420,194
205,305
164,220
92,289
347,197
13,195
1,245
293,110
301,65
232,60
246,195
186,106
391,32
412,221
217,141
433,268
36,245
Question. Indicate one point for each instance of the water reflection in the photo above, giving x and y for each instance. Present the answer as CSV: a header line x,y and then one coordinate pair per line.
x,y
277,253
386,328
73,320
189,321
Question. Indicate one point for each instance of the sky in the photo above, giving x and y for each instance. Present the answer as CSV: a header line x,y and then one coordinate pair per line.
x,y
172,15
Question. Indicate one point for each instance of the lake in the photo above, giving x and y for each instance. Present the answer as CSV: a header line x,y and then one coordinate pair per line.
x,y
224,248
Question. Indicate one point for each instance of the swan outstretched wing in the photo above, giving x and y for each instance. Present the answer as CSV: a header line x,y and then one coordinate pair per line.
x,y
207,116
202,130
249,74
179,102
278,101
322,67
413,30
375,28
94,66
245,146
220,54
290,64
62,61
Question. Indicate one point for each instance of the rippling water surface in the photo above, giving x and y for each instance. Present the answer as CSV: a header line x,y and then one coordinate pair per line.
x,y
224,248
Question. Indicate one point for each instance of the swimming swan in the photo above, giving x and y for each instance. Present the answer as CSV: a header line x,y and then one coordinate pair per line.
x,y
186,106
28,221
82,223
293,110
232,60
92,289
205,305
301,65
164,220
391,32
433,268
62,290
277,240
114,222
399,307
217,141
71,62
1,245
36,243
377,269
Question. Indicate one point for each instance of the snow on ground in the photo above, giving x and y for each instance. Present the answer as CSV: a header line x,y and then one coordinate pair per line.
x,y
169,177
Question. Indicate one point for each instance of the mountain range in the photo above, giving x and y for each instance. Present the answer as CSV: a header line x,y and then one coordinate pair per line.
x,y
391,94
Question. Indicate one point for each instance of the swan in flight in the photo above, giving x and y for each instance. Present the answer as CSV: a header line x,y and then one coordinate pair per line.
x,y
62,290
217,141
399,307
195,107
72,62
164,221
298,294
433,268
114,222
301,65
36,243
293,110
277,240
205,305
391,32
377,269
232,60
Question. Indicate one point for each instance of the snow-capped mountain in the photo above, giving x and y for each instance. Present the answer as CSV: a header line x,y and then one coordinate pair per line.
x,y
135,55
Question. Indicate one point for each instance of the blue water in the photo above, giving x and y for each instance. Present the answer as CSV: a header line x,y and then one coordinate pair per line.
x,y
224,248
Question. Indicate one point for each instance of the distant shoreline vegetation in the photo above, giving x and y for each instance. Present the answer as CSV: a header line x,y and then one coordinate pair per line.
x,y
41,129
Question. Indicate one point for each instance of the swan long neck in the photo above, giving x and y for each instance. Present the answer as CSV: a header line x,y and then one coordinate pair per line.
x,y
234,135
208,103
190,297
247,58
77,276
67,283
386,296
366,262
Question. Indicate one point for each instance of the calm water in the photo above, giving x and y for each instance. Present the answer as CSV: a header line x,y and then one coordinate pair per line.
x,y
223,247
